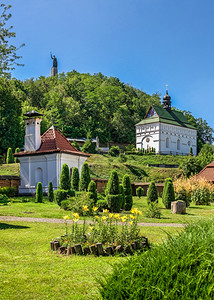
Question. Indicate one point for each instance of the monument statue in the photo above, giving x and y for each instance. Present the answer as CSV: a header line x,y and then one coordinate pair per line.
x,y
54,61
54,68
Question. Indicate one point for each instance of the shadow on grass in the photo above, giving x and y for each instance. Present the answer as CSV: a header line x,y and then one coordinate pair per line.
x,y
10,226
138,172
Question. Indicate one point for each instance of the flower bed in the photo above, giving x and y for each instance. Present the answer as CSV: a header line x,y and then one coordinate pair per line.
x,y
107,234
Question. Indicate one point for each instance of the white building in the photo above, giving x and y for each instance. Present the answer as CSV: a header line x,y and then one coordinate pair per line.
x,y
166,130
43,156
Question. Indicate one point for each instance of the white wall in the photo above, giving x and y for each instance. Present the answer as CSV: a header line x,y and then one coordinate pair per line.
x,y
147,136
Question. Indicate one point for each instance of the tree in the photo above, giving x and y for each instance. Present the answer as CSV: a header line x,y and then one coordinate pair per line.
x,y
89,147
76,145
65,183
10,159
127,191
164,188
8,56
39,193
152,194
84,178
113,195
75,179
169,195
92,189
50,192
191,166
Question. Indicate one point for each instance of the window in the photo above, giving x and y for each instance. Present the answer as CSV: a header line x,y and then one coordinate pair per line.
x,y
178,144
167,142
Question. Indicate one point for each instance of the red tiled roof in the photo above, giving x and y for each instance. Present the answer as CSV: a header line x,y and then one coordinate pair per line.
x,y
207,172
53,141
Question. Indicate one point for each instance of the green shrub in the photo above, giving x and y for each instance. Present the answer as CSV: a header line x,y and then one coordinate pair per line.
x,y
164,188
4,199
181,268
76,203
128,192
16,160
114,202
122,158
9,191
71,193
152,194
65,183
113,196
39,193
153,211
66,204
60,195
92,190
121,191
84,178
10,158
169,195
114,151
102,204
183,196
75,178
76,145
50,192
202,196
89,147
139,192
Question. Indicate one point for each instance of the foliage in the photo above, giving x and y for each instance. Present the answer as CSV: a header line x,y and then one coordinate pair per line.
x,y
17,150
122,158
121,192
114,202
89,147
9,191
164,188
153,211
191,166
127,191
169,195
8,56
39,193
139,192
102,204
84,178
76,145
10,159
60,195
114,151
151,275
65,183
152,194
202,196
77,203
50,192
4,199
113,193
75,179
92,190
190,151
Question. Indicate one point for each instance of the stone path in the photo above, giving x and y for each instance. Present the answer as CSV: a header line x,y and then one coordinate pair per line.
x,y
47,220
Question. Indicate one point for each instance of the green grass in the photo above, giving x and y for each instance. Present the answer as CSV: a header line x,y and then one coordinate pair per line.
x,y
9,169
29,270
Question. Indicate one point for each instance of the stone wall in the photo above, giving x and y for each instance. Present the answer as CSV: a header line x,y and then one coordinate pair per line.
x,y
10,181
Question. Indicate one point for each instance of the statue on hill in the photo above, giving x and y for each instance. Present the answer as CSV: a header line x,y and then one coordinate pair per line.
x,y
54,68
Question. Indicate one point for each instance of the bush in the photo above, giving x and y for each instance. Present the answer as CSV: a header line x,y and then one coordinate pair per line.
x,y
128,192
9,191
122,158
50,192
10,159
16,160
114,202
182,195
114,151
164,188
89,147
60,195
39,193
66,204
71,193
76,203
113,193
92,190
202,196
65,183
121,192
84,178
169,195
102,204
75,179
153,211
4,199
180,268
152,194
139,192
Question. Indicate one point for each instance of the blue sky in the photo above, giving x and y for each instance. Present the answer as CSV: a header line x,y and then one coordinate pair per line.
x,y
146,43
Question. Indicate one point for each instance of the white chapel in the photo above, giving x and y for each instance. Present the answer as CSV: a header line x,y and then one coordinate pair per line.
x,y
166,130
43,156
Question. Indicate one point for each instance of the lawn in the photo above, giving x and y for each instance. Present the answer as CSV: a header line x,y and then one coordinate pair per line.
x,y
9,169
29,270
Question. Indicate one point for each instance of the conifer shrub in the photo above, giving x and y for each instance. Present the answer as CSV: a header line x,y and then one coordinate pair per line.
x,y
139,192
180,268
39,193
169,195
153,211
75,179
50,192
102,204
152,194
16,160
10,159
65,183
164,188
128,192
122,195
92,190
60,195
190,151
84,178
113,196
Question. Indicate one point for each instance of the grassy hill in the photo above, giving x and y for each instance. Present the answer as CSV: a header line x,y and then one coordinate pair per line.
x,y
136,167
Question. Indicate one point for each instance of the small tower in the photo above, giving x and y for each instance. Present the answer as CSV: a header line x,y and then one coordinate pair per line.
x,y
167,100
32,131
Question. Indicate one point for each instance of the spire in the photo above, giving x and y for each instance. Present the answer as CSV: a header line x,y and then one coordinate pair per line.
x,y
167,99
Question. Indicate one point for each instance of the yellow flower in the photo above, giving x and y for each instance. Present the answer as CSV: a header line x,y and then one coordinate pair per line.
x,y
75,220
105,211
66,217
116,216
76,215
97,217
85,208
95,208
90,227
132,217
110,216
135,211
123,219
104,218
131,223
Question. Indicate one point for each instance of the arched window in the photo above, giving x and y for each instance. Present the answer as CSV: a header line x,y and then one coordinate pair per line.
x,y
167,142
178,144
39,175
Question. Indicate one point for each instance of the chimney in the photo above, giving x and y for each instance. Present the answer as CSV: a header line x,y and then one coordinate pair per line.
x,y
32,131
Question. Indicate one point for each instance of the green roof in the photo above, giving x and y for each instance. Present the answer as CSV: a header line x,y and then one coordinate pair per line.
x,y
172,117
